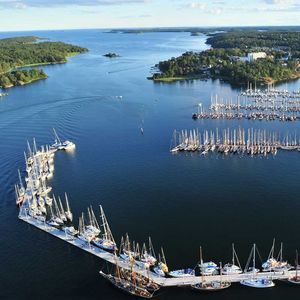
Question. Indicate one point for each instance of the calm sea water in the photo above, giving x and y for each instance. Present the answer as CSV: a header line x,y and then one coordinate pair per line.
x,y
182,201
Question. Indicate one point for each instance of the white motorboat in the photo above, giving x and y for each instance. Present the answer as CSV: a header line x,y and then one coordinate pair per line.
x,y
208,268
182,273
70,230
68,146
52,222
258,282
231,269
104,244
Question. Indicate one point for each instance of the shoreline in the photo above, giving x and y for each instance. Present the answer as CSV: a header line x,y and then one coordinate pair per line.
x,y
224,78
16,68
19,68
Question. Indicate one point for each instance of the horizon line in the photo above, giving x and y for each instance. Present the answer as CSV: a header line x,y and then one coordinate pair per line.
x,y
153,27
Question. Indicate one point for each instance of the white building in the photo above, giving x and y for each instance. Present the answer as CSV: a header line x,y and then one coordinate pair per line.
x,y
255,55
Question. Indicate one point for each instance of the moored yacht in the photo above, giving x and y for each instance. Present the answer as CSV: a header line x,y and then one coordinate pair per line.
x,y
232,268
182,273
276,265
254,280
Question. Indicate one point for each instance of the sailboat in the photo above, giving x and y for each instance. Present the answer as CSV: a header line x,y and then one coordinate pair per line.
x,y
207,268
68,212
93,227
20,190
127,282
295,279
70,230
161,268
59,145
209,285
106,240
55,219
125,251
83,234
61,210
254,281
232,268
147,258
273,264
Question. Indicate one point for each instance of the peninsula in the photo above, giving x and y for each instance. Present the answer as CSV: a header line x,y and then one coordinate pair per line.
x,y
239,57
29,51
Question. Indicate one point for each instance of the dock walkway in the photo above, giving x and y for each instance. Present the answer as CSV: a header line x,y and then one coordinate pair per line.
x,y
166,282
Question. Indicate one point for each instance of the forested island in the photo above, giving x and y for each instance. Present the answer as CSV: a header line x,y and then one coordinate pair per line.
x,y
28,51
239,57
206,30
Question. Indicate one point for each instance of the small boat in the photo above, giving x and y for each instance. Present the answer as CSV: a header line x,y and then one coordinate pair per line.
x,y
211,286
70,230
182,273
296,278
68,146
258,282
254,281
207,268
52,222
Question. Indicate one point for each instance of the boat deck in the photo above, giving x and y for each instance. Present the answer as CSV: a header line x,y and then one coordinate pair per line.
x,y
109,257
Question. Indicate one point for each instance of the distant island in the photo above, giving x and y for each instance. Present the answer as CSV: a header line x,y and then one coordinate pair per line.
x,y
239,57
205,30
111,55
29,51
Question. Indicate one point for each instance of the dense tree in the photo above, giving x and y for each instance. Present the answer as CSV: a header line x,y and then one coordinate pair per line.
x,y
283,49
28,50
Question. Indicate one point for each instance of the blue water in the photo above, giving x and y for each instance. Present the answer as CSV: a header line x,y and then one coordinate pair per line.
x,y
182,201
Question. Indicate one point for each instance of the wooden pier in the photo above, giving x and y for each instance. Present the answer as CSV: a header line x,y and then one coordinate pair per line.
x,y
165,282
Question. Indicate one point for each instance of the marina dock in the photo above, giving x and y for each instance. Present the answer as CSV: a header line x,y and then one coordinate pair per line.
x,y
269,105
237,141
165,282
48,214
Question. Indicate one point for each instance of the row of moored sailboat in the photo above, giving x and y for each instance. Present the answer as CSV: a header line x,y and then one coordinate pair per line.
x,y
241,141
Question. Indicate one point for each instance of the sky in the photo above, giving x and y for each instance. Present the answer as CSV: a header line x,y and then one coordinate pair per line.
x,y
74,14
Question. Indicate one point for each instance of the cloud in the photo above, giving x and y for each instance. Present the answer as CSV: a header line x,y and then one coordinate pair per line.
x,y
197,5
52,3
280,2
209,9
